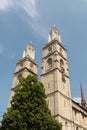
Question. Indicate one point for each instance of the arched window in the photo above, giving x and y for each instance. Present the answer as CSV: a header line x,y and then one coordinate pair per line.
x,y
49,63
61,63
61,50
19,76
77,128
62,69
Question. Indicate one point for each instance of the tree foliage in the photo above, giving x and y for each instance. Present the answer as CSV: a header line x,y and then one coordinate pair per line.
x,y
29,110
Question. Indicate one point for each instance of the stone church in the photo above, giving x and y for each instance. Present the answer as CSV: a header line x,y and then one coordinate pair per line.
x,y
56,80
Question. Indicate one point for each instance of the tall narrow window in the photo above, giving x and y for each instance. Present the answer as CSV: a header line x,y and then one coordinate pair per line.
x,y
49,63
50,49
62,65
77,128
19,76
62,69
61,50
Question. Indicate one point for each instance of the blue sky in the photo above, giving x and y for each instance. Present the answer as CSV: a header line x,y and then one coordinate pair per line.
x,y
26,20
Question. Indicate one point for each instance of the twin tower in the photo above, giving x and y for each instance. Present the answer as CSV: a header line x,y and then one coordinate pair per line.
x,y
55,77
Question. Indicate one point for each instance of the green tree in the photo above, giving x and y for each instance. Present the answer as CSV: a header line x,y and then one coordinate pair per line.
x,y
29,110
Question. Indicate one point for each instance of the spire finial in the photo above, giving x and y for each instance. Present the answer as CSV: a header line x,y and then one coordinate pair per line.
x,y
83,101
54,25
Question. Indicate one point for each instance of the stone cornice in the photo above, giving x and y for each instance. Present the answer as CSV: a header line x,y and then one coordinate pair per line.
x,y
52,53
56,41
27,58
53,69
56,91
24,69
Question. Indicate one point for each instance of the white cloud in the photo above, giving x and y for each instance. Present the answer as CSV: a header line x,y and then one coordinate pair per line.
x,y
5,4
29,6
77,99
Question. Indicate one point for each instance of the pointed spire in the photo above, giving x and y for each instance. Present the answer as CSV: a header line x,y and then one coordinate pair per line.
x,y
83,101
54,34
29,51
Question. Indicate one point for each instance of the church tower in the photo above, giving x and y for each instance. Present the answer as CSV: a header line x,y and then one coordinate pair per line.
x,y
55,77
27,65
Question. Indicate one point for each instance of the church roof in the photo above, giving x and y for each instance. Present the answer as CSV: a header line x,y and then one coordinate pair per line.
x,y
77,106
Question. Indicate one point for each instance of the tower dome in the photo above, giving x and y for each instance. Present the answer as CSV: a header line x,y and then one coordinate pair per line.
x,y
29,51
54,34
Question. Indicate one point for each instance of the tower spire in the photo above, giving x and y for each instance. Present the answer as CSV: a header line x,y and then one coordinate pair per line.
x,y
29,51
83,101
54,34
